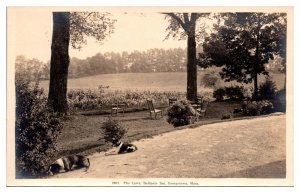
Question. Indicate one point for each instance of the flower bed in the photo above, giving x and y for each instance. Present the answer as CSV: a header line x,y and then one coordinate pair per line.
x,y
103,98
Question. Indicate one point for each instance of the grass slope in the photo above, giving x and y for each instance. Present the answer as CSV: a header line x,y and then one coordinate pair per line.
x,y
167,81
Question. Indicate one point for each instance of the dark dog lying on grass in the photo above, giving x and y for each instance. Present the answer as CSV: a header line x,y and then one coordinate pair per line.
x,y
226,116
68,163
120,147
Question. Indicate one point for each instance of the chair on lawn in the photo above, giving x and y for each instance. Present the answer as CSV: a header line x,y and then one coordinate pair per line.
x,y
117,107
172,101
198,103
203,109
153,110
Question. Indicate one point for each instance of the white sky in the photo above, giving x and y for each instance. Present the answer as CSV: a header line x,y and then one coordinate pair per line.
x,y
133,31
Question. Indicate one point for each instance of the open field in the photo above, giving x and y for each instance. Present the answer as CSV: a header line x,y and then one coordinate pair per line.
x,y
175,81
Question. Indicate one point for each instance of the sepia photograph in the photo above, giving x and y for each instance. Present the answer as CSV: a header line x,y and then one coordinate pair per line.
x,y
150,96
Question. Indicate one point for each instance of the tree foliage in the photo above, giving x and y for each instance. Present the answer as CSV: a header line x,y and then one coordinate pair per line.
x,y
267,90
176,21
29,69
89,24
244,44
153,60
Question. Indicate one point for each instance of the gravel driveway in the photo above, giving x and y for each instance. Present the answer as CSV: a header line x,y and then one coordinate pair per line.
x,y
252,148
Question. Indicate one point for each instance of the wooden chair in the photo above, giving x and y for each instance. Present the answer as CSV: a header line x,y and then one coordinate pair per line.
x,y
153,110
198,103
203,109
172,101
116,108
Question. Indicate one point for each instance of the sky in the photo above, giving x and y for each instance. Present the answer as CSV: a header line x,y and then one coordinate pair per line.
x,y
133,31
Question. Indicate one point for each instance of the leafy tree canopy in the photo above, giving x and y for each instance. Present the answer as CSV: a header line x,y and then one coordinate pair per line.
x,y
89,24
180,25
244,44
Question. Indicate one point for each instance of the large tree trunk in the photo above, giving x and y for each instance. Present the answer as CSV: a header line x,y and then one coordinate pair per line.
x,y
189,26
191,69
59,64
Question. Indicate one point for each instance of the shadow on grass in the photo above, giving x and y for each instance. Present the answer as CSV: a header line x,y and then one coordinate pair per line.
x,y
275,169
108,111
85,149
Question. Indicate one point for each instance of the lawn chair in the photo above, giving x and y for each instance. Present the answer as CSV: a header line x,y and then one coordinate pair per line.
x,y
172,101
153,110
198,103
117,107
203,109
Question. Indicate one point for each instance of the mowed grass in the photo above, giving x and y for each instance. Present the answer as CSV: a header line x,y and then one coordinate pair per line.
x,y
167,81
82,134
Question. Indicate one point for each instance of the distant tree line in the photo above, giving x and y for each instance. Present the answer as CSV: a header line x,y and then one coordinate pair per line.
x,y
153,60
31,69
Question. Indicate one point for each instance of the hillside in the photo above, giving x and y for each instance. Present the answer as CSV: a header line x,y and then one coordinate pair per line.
x,y
164,81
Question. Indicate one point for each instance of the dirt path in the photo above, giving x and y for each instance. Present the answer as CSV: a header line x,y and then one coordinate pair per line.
x,y
243,148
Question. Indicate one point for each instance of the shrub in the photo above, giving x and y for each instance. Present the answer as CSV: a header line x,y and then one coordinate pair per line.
x,y
210,79
181,113
250,108
248,93
266,107
93,99
219,94
103,98
230,93
234,92
254,108
37,130
112,130
267,90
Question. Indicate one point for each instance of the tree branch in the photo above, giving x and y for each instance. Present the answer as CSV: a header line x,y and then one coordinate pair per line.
x,y
186,18
90,13
178,19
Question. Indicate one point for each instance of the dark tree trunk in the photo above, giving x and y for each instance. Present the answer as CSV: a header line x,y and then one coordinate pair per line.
x,y
255,94
191,68
59,64
189,26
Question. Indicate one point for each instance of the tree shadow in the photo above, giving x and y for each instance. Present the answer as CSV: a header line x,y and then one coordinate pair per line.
x,y
275,169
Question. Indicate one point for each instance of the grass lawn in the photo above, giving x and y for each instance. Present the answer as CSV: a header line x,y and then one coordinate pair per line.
x,y
82,133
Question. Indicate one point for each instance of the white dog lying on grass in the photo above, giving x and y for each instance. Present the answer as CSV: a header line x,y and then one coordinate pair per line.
x,y
120,147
